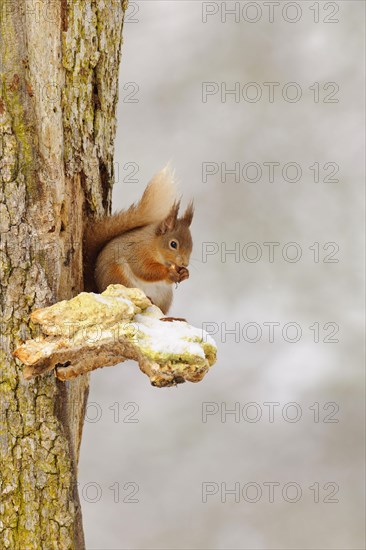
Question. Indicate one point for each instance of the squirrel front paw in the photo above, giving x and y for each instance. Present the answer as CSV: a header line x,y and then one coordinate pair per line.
x,y
177,273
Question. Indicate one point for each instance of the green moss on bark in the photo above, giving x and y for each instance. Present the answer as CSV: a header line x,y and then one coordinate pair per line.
x,y
39,504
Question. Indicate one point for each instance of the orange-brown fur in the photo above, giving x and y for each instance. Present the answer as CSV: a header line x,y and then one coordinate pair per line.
x,y
134,247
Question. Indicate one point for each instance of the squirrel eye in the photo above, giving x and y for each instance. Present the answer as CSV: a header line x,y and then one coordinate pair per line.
x,y
173,244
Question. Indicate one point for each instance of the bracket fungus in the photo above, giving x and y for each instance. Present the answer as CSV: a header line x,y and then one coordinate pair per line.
x,y
99,330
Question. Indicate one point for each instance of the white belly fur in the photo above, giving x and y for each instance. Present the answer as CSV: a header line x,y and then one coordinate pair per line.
x,y
159,291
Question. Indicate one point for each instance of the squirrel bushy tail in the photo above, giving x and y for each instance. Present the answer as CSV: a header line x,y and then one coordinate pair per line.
x,y
154,206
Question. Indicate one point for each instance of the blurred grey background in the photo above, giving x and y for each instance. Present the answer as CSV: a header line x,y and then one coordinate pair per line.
x,y
151,445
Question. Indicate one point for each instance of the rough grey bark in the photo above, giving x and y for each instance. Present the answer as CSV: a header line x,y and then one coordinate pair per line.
x,y
59,84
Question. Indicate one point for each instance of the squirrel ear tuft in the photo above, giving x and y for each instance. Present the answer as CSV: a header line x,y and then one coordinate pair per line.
x,y
188,214
170,221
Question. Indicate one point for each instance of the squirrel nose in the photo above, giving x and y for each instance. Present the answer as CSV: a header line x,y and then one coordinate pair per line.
x,y
182,261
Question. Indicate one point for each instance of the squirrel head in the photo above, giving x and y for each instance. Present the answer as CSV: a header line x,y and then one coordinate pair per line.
x,y
174,236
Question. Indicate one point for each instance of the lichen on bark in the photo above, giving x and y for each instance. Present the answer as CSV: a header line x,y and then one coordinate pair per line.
x,y
36,505
42,205
91,55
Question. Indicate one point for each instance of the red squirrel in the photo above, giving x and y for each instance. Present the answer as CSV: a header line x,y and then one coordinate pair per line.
x,y
146,246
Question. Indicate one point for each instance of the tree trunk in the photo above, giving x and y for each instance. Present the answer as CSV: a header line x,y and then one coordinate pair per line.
x,y
59,85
